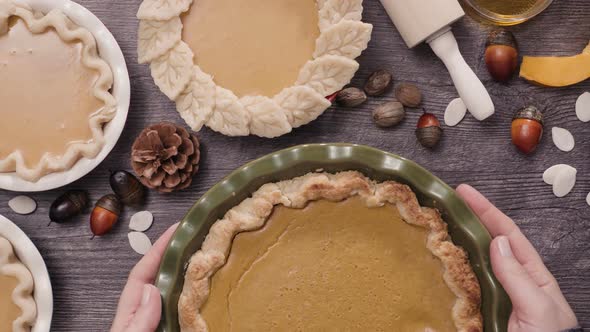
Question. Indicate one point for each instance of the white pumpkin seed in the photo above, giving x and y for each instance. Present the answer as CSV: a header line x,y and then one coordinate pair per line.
x,y
565,182
588,199
139,242
22,205
583,107
455,112
551,173
563,139
141,221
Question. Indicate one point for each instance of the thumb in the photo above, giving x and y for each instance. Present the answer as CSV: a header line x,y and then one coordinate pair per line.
x,y
520,287
147,316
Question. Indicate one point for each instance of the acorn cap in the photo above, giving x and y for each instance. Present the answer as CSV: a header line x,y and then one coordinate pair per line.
x,y
127,187
501,37
110,202
429,137
79,198
529,112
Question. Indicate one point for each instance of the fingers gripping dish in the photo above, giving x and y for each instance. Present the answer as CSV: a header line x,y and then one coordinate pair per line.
x,y
330,251
244,67
55,91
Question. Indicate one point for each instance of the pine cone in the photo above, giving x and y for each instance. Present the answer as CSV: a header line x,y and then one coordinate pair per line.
x,y
165,157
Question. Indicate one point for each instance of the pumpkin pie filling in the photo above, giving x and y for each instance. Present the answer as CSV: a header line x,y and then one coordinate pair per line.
x,y
331,266
10,311
252,47
46,93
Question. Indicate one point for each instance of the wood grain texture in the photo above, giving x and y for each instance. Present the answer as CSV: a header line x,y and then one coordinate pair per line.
x,y
88,275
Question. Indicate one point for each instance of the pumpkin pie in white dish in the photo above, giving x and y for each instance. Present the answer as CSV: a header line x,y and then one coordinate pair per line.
x,y
251,67
17,305
55,90
330,252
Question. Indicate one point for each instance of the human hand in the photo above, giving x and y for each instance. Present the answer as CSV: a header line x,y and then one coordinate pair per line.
x,y
537,301
140,307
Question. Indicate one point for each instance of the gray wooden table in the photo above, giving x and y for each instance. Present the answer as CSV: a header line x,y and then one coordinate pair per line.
x,y
88,275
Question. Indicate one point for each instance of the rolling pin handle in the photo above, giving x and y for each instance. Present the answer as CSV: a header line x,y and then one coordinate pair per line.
x,y
470,88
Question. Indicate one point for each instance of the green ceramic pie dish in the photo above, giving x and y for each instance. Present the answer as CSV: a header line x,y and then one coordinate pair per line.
x,y
465,228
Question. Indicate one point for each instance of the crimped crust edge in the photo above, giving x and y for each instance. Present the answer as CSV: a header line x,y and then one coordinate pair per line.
x,y
22,295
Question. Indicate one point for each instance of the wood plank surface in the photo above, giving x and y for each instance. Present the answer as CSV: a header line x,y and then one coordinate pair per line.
x,y
88,275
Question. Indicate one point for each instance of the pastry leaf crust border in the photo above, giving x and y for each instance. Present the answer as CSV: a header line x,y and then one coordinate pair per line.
x,y
252,213
331,68
22,296
67,31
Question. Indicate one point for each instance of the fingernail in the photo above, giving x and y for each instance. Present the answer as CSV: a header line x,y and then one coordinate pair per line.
x,y
504,246
462,186
147,291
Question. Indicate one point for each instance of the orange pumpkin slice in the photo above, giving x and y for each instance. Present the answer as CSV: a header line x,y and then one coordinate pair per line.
x,y
557,71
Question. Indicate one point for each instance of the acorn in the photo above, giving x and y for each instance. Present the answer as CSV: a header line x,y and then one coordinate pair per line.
x,y
68,205
501,55
127,187
527,129
105,215
428,130
331,98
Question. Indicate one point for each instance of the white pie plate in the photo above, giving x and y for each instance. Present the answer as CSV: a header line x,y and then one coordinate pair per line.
x,y
111,52
29,255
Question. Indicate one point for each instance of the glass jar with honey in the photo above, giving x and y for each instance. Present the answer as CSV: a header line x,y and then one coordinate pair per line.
x,y
507,12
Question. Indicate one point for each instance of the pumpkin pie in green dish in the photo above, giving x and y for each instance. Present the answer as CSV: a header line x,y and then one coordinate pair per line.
x,y
330,252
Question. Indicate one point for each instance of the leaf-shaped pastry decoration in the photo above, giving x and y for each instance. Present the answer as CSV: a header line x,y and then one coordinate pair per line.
x,y
172,71
162,10
157,38
301,104
335,11
321,4
201,102
195,104
229,116
327,74
347,38
268,119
